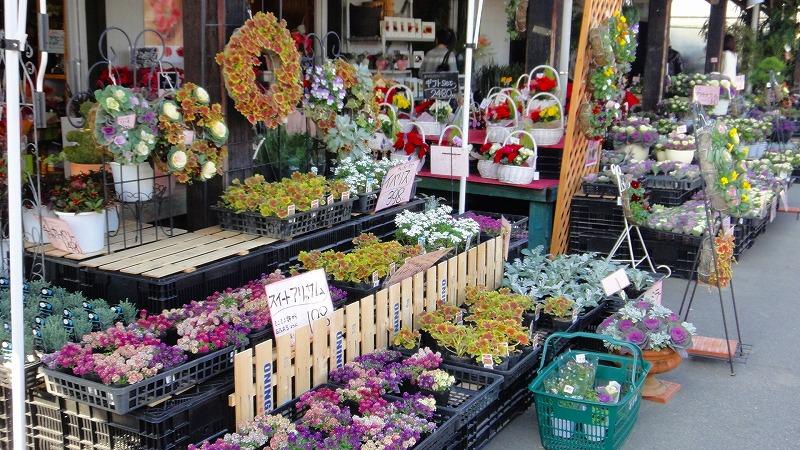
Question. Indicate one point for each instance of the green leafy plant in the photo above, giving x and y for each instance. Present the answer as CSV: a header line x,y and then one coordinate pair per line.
x,y
83,193
86,150
407,339
760,75
558,307
350,136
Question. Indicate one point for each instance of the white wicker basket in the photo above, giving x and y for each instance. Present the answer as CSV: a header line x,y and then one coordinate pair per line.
x,y
431,128
546,136
544,67
488,168
499,131
507,173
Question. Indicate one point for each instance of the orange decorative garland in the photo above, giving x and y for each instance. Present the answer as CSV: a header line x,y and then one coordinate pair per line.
x,y
262,33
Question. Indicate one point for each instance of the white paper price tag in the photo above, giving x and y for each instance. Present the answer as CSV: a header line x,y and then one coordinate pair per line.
x,y
656,292
681,129
298,301
615,282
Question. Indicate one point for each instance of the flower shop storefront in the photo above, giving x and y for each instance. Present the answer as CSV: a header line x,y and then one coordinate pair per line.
x,y
313,296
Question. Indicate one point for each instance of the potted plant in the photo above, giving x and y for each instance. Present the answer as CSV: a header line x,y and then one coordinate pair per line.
x,y
486,165
545,119
85,156
436,383
435,229
679,147
127,126
407,339
517,164
411,146
634,137
560,310
81,203
365,176
655,329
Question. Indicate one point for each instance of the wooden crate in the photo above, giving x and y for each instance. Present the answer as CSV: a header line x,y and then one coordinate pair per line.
x,y
276,371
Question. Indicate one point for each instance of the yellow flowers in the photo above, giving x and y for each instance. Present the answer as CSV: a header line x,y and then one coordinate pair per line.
x,y
745,198
609,71
400,101
506,80
723,181
734,176
746,185
550,113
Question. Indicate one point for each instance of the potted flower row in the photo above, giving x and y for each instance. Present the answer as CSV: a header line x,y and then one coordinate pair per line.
x,y
435,229
355,414
362,270
286,208
364,176
491,224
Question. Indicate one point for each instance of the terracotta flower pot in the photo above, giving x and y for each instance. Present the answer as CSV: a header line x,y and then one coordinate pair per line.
x,y
81,169
663,361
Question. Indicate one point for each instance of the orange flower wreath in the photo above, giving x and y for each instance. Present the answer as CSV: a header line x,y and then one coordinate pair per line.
x,y
260,34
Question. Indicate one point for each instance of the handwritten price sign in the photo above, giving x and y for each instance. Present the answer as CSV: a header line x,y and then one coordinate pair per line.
x,y
397,185
655,293
60,235
706,95
298,301
440,85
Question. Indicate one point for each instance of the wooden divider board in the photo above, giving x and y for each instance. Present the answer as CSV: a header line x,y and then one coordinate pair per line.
x,y
276,371
573,166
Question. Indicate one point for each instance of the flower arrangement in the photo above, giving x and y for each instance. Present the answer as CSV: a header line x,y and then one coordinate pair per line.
x,y
411,143
676,105
325,96
636,203
546,113
262,33
500,111
603,83
406,338
370,256
623,40
441,111
731,183
559,307
489,150
543,82
254,194
435,229
363,174
125,124
689,218
649,326
722,275
389,125
513,154
682,84
436,380
596,117
635,131
83,193
679,141
400,101
192,135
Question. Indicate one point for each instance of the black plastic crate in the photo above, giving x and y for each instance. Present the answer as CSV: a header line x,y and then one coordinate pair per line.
x,y
593,242
158,294
6,420
287,228
671,197
548,163
515,248
66,273
323,239
670,183
366,202
605,189
122,400
596,215
382,222
677,251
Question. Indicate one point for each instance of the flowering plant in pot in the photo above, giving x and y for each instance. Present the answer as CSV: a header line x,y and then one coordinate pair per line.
x,y
437,383
350,136
407,339
192,138
126,124
543,82
635,137
325,94
435,229
501,304
81,203
363,174
560,309
635,203
658,331
678,147
486,165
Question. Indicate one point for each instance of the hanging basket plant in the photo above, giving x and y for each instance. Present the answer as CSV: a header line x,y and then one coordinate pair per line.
x,y
125,124
259,35
193,135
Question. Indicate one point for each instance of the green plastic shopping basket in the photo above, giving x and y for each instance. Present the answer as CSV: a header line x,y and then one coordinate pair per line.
x,y
566,423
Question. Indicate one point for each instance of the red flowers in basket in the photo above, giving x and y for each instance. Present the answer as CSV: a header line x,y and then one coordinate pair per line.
x,y
411,142
498,112
509,152
422,106
542,83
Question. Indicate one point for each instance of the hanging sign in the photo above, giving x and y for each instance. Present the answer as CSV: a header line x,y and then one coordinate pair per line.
x,y
706,95
60,235
298,301
592,153
449,161
615,282
739,82
655,293
440,85
397,185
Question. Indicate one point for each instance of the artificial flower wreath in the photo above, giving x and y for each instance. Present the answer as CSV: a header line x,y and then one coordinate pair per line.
x,y
125,124
262,33
193,135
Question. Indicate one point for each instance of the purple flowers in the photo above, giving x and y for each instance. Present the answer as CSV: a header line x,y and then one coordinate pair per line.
x,y
636,336
652,323
649,326
625,324
679,335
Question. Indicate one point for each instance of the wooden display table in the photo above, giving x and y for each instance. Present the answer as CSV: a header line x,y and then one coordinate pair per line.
x,y
540,195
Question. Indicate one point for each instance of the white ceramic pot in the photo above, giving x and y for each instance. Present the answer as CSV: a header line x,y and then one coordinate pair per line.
x,y
636,152
31,225
89,229
510,174
682,156
562,428
401,156
133,182
661,155
112,213
488,168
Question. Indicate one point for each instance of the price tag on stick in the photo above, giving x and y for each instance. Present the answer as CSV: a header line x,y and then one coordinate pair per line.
x,y
615,282
298,301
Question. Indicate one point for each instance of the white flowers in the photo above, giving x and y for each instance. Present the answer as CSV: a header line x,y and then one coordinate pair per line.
x,y
357,171
170,109
218,129
111,104
436,228
119,94
142,149
177,159
201,95
209,170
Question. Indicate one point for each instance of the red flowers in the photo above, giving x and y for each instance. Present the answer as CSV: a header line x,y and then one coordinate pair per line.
x,y
423,106
510,152
542,83
411,142
535,115
499,112
635,184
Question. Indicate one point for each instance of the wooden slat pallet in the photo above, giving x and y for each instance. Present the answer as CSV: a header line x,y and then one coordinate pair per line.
x,y
131,237
277,371
178,254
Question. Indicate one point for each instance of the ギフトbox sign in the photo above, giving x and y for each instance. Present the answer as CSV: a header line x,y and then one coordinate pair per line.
x,y
298,301
397,185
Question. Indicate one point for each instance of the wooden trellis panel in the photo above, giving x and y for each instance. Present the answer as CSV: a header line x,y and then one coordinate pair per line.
x,y
283,368
573,162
